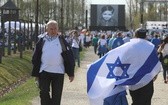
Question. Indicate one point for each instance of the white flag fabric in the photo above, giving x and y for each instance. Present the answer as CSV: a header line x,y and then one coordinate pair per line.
x,y
130,66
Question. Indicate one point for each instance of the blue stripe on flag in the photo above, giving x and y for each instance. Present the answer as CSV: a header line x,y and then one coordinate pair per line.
x,y
117,99
92,72
148,66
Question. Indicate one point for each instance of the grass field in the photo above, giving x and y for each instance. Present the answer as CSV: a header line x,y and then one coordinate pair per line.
x,y
21,95
14,68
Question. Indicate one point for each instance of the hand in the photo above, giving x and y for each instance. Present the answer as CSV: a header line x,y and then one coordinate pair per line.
x,y
71,78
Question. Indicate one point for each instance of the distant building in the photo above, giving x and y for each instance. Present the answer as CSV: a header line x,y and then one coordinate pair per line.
x,y
156,25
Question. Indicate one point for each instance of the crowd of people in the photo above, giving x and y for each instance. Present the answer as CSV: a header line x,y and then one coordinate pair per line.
x,y
47,72
105,41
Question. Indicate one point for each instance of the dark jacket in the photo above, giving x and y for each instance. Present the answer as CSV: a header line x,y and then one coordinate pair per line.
x,y
36,58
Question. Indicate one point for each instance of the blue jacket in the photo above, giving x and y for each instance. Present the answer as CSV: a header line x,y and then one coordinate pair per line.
x,y
117,42
156,42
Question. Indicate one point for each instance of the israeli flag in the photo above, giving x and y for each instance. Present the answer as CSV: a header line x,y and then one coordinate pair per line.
x,y
130,66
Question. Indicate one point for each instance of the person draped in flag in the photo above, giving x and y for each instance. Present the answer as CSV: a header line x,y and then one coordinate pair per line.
x,y
143,95
133,66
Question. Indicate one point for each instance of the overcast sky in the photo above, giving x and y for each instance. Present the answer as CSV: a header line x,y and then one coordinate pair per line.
x,y
106,1
88,2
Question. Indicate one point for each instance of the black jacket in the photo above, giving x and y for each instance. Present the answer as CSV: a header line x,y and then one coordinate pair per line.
x,y
36,58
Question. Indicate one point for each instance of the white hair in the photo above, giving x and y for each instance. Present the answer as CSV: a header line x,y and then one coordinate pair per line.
x,y
52,22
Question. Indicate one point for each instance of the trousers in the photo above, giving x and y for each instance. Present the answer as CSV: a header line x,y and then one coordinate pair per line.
x,y
143,95
55,82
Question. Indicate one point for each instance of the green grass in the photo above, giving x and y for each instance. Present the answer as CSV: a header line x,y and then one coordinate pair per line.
x,y
14,68
21,95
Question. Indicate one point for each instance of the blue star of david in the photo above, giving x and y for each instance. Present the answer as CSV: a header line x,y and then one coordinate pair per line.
x,y
117,63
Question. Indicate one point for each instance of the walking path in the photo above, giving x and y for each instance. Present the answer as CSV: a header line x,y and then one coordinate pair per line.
x,y
75,93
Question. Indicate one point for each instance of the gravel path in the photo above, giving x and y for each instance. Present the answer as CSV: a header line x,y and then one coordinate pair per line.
x,y
75,93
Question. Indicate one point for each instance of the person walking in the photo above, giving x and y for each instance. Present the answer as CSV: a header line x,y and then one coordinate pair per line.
x,y
127,38
111,41
95,43
163,49
118,41
75,46
102,46
87,39
48,65
133,65
156,41
143,95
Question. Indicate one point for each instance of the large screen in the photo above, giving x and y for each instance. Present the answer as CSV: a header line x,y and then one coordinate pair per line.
x,y
107,16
